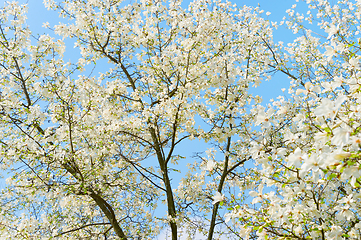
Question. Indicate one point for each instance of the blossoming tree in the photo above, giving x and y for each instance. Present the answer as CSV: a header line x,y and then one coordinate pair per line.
x,y
97,155
312,170
91,156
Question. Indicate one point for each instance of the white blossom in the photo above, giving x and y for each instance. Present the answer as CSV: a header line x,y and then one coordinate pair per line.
x,y
218,198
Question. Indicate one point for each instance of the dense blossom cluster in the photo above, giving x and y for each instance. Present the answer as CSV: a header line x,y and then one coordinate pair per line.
x,y
101,155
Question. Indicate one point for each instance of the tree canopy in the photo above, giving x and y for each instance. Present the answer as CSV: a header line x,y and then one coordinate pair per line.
x,y
98,148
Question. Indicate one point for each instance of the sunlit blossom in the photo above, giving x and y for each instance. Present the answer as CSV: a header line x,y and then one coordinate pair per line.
x,y
218,197
332,30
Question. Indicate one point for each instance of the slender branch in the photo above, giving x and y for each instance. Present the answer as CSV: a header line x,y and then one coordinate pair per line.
x,y
238,164
82,227
220,187
166,180
143,175
174,134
